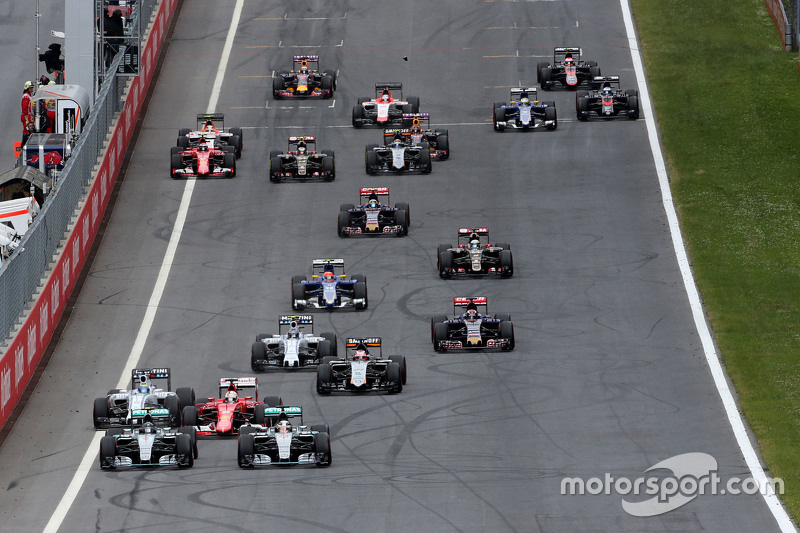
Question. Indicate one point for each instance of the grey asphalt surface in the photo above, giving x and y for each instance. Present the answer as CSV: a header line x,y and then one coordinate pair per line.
x,y
608,375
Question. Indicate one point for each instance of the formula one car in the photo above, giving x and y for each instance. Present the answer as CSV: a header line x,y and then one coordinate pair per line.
x,y
210,126
374,215
397,155
283,443
235,407
475,255
304,80
302,161
202,160
474,328
116,409
524,111
420,131
363,369
329,287
294,346
607,101
567,70
386,109
147,445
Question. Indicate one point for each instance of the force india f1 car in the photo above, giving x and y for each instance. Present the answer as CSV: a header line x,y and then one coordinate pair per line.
x,y
363,369
397,155
302,160
304,80
386,109
374,215
284,443
609,101
524,111
147,445
294,346
329,287
203,160
115,410
211,127
236,406
475,255
567,70
472,328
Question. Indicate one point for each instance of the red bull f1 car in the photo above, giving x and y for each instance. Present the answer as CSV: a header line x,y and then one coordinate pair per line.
x,y
472,327
475,255
363,369
302,161
374,215
305,80
607,100
386,109
567,71
284,443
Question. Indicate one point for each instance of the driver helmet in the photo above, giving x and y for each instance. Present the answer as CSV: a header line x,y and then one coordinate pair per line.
x,y
202,146
304,70
415,127
294,332
328,275
386,96
283,427
209,125
472,312
231,396
361,353
475,244
301,147
373,200
144,389
148,428
606,89
568,60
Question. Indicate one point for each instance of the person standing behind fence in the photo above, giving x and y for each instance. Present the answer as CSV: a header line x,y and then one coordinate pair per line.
x,y
27,111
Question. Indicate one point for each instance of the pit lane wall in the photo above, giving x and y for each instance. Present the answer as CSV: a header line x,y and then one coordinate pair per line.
x,y
19,360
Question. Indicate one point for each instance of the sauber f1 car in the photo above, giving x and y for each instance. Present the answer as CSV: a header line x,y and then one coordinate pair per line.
x,y
567,70
302,161
374,215
524,111
438,140
475,255
294,346
117,408
386,109
235,407
304,80
329,287
397,154
203,160
211,127
284,443
607,101
472,327
147,445
363,369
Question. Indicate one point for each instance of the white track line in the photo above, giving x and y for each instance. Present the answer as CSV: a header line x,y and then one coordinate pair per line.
x,y
717,372
85,466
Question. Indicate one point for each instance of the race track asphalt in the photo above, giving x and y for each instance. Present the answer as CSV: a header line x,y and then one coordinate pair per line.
x,y
608,375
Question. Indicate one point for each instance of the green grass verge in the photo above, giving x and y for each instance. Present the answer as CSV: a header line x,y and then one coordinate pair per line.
x,y
726,97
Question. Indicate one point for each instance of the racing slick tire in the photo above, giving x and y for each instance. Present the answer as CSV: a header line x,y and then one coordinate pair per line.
x,y
541,65
183,142
582,106
358,116
274,153
360,290
436,319
591,63
502,316
272,401
277,87
322,449
236,142
238,133
402,220
550,114
183,446
503,245
546,78
320,428
499,118
173,405
394,376
186,396
261,336
443,248
190,415
260,415
440,332
324,378
401,362
175,164
425,159
100,410
183,132
506,264
324,349
110,432
331,337
343,222
633,107
258,352
247,446
108,451
175,150
192,432
247,430
507,332
414,101
594,71
274,167
326,84
443,145
332,74
403,206
346,207
229,161
328,360
445,264
371,162
329,167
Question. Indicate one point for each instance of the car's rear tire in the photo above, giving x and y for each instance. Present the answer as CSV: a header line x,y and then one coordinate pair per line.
x,y
322,449
272,401
360,292
324,349
275,167
499,118
331,337
582,107
414,101
173,405
594,71
436,319
346,207
298,293
358,116
371,162
546,78
192,432
443,144
183,446
329,167
258,352
176,163
502,316
633,107
425,158
229,162
541,65
320,428
274,153
277,86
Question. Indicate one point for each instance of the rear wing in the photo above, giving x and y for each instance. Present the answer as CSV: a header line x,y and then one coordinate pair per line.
x,y
420,118
217,118
290,411
516,93
310,140
391,86
312,62
561,52
294,321
381,192
461,302
598,82
157,415
246,386
373,345
147,375
319,265
465,234
390,133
